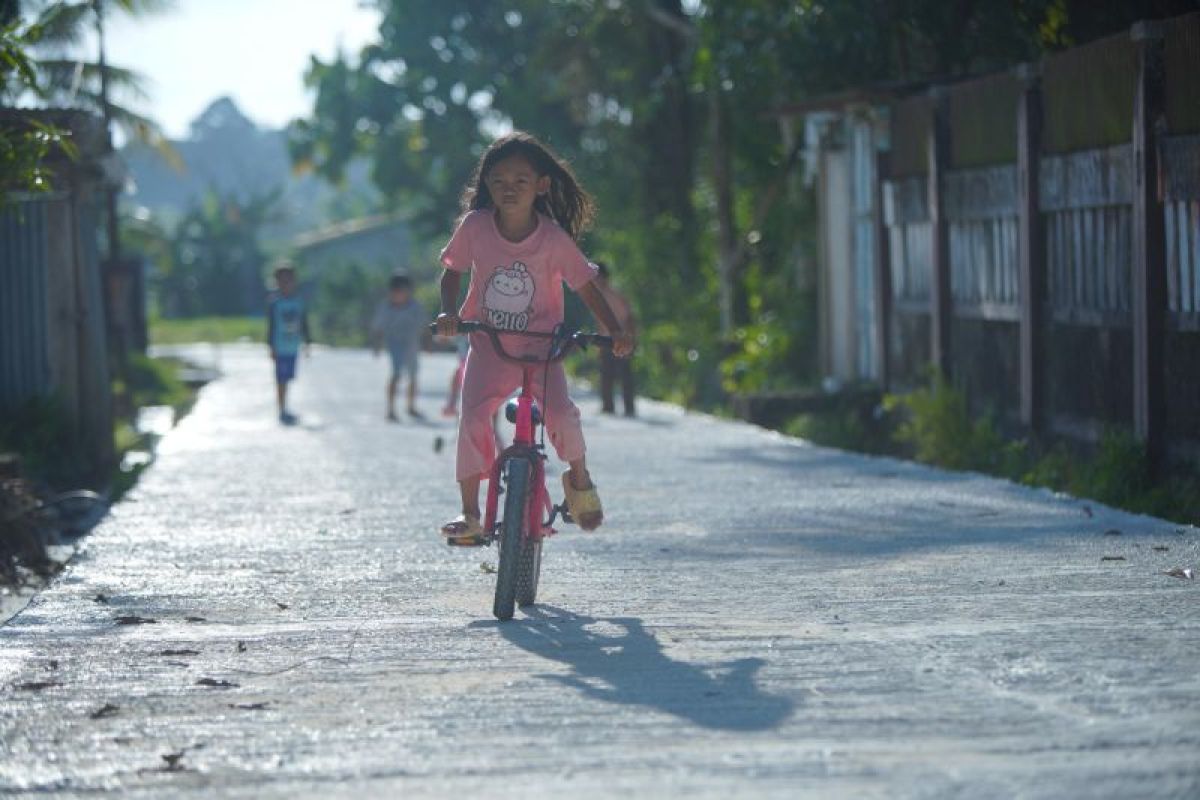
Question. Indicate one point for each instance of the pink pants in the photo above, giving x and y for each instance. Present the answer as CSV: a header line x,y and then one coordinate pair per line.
x,y
488,382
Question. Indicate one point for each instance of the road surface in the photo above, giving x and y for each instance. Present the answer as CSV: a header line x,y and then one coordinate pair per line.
x,y
758,618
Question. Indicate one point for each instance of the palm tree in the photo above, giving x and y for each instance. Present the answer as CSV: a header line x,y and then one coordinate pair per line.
x,y
65,79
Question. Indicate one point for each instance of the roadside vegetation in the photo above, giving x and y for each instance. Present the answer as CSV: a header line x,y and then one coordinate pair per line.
x,y
38,435
933,425
37,449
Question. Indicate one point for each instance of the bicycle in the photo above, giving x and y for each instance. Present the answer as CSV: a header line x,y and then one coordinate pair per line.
x,y
519,474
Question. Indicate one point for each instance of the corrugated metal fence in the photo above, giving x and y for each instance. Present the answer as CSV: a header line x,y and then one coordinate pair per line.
x,y
24,305
53,340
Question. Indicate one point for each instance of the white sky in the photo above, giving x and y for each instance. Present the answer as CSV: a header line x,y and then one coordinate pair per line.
x,y
255,51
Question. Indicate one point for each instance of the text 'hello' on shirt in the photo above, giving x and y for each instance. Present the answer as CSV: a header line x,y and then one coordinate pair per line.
x,y
515,286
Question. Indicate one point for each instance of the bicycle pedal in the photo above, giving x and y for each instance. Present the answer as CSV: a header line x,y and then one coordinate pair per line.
x,y
563,512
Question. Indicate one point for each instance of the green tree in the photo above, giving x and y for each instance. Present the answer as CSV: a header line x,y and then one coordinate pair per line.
x,y
215,261
589,78
24,149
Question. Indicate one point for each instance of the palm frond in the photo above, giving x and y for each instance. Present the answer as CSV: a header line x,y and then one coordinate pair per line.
x,y
139,8
14,58
62,25
64,75
65,24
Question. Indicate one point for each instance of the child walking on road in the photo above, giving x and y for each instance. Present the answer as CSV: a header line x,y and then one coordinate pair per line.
x,y
399,324
287,328
523,211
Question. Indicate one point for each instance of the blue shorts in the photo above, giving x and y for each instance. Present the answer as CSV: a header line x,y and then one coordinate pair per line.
x,y
404,361
285,368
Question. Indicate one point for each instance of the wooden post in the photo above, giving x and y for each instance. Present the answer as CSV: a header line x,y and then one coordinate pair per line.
x,y
940,303
1031,253
883,278
1149,239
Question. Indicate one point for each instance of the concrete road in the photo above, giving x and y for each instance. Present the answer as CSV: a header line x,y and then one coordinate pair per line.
x,y
759,618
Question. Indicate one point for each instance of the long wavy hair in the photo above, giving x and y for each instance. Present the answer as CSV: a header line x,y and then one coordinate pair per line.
x,y
566,203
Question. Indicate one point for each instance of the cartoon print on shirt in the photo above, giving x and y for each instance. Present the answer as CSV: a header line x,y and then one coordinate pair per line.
x,y
508,298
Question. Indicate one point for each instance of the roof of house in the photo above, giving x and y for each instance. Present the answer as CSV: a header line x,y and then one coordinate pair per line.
x,y
344,230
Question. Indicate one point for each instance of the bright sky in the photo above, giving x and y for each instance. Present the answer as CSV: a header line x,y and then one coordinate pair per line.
x,y
255,51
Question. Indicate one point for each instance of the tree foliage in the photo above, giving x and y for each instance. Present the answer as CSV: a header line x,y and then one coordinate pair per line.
x,y
666,110
24,149
211,262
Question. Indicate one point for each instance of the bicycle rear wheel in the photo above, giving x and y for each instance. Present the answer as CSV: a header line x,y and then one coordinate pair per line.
x,y
529,571
512,534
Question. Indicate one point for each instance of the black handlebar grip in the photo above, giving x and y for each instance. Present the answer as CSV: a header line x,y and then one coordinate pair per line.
x,y
464,326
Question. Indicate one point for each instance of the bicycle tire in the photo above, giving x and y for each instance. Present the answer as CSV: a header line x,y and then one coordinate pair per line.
x,y
529,571
512,533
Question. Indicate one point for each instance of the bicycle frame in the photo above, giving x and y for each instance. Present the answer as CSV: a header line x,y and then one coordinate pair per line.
x,y
526,447
528,515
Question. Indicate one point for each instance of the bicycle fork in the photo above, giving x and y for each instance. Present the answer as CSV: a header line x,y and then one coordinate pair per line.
x,y
540,510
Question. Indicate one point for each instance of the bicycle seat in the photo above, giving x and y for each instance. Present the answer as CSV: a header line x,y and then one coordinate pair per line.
x,y
510,412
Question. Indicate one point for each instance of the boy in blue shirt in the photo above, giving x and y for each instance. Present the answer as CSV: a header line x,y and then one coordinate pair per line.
x,y
287,328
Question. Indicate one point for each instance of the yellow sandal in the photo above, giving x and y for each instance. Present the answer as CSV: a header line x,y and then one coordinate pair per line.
x,y
584,504
463,529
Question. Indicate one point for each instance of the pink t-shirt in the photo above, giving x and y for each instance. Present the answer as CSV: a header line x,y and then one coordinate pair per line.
x,y
515,286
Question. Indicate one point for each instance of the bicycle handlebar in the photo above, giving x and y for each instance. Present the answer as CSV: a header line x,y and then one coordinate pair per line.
x,y
574,339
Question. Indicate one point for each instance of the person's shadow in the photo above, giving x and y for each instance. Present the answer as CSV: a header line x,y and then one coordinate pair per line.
x,y
630,667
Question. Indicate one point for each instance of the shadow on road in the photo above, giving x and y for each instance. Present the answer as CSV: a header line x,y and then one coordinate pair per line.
x,y
629,667
930,510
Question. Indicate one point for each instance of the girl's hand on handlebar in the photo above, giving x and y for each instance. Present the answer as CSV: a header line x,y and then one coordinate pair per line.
x,y
447,324
623,344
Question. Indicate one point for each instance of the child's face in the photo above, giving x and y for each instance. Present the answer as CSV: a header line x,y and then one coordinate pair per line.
x,y
286,281
514,185
399,296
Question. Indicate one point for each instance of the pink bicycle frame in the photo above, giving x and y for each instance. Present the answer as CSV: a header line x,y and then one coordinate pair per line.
x,y
523,446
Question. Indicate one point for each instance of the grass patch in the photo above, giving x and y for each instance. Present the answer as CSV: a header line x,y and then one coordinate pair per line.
x,y
219,330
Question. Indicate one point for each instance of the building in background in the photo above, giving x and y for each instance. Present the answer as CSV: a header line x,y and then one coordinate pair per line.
x,y
376,243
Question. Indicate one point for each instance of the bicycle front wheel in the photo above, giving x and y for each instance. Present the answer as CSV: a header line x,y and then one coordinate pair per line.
x,y
512,534
529,571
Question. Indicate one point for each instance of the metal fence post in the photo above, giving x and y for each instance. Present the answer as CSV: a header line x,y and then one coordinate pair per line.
x,y
1031,260
1148,282
883,278
941,307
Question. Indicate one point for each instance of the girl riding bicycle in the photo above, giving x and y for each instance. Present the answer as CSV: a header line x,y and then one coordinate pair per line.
x,y
523,210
